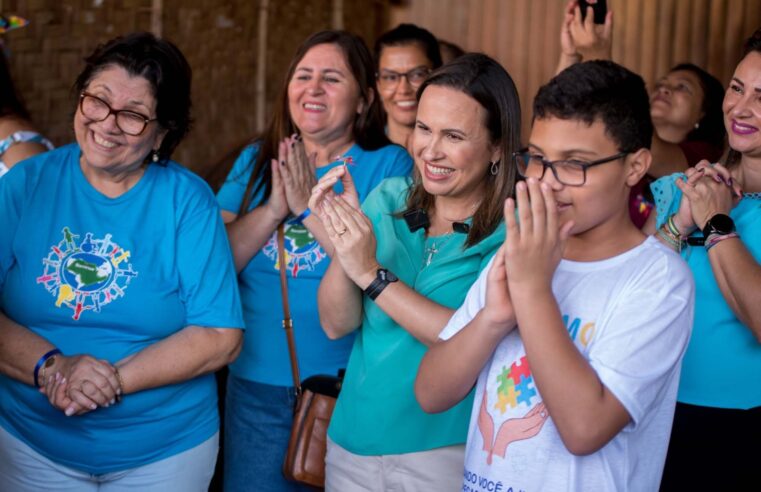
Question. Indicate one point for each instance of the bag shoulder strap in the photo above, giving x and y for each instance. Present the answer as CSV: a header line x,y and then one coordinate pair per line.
x,y
287,321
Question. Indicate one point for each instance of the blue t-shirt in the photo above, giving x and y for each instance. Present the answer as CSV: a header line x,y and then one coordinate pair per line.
x,y
722,365
264,357
109,277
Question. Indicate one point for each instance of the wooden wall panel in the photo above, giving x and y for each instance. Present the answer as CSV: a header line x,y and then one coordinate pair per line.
x,y
649,35
221,40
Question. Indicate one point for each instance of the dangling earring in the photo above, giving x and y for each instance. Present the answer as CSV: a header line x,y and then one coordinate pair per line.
x,y
494,168
697,125
155,156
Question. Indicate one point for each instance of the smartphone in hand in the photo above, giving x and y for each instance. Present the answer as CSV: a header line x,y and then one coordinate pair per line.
x,y
599,7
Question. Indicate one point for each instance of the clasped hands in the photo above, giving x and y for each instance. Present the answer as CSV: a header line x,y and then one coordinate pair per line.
x,y
349,229
79,384
708,190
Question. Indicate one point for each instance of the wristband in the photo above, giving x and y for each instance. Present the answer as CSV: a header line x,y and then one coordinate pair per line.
x,y
715,239
42,361
303,215
670,239
673,229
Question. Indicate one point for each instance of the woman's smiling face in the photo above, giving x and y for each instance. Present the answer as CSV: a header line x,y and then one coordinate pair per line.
x,y
104,145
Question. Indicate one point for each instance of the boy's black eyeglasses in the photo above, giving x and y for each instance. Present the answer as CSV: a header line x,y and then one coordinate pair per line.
x,y
97,109
570,172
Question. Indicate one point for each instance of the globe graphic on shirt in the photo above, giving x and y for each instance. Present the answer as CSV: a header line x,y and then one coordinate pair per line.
x,y
86,271
86,274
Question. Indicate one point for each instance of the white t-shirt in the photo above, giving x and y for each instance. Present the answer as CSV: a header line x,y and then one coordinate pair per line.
x,y
630,316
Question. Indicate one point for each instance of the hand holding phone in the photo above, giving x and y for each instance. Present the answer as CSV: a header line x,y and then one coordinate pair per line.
x,y
599,7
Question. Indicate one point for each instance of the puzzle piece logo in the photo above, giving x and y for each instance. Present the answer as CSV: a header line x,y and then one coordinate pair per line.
x,y
515,386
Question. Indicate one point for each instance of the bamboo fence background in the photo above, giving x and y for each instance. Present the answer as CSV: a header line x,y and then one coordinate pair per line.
x,y
239,49
649,36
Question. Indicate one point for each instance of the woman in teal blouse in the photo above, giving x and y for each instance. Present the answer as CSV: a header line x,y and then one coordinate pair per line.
x,y
405,261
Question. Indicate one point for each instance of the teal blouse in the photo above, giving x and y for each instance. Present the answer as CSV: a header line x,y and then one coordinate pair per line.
x,y
377,412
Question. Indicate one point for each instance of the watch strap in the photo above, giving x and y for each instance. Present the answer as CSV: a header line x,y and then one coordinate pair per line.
x,y
382,278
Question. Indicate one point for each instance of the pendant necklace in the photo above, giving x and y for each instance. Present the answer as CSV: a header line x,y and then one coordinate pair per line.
x,y
436,243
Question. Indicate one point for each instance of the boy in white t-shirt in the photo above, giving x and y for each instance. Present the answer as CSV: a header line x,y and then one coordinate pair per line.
x,y
574,336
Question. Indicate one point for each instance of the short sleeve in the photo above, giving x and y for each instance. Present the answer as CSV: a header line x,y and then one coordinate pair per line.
x,y
230,195
642,340
13,192
208,282
474,302
667,197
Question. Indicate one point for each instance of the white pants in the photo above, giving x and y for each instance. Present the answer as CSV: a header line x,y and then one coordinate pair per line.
x,y
438,469
23,469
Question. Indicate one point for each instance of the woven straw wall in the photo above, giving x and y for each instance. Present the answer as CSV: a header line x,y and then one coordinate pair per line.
x,y
220,40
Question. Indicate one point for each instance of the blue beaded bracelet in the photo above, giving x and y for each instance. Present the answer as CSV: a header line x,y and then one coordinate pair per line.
x,y
303,215
40,362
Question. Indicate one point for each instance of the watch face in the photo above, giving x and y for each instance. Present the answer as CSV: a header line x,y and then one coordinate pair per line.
x,y
386,275
720,224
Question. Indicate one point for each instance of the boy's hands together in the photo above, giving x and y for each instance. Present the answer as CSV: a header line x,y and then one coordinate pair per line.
x,y
535,239
498,310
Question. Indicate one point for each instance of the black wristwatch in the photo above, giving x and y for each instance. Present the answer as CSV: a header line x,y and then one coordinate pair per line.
x,y
383,277
719,224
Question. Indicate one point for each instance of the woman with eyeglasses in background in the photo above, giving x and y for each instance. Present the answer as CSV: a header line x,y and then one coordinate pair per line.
x,y
404,56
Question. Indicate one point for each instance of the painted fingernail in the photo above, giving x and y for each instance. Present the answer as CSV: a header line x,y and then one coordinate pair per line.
x,y
93,406
69,412
113,400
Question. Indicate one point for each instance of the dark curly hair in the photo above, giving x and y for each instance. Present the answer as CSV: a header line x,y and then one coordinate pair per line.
x,y
600,89
163,65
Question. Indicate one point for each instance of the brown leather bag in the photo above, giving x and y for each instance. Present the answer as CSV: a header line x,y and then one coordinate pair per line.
x,y
315,400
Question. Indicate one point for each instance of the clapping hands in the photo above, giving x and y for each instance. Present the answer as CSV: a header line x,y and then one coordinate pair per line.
x,y
293,177
349,229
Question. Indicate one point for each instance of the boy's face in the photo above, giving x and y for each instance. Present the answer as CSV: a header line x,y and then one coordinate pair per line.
x,y
601,203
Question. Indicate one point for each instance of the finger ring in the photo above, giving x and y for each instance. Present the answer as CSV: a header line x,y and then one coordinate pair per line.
x,y
342,232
